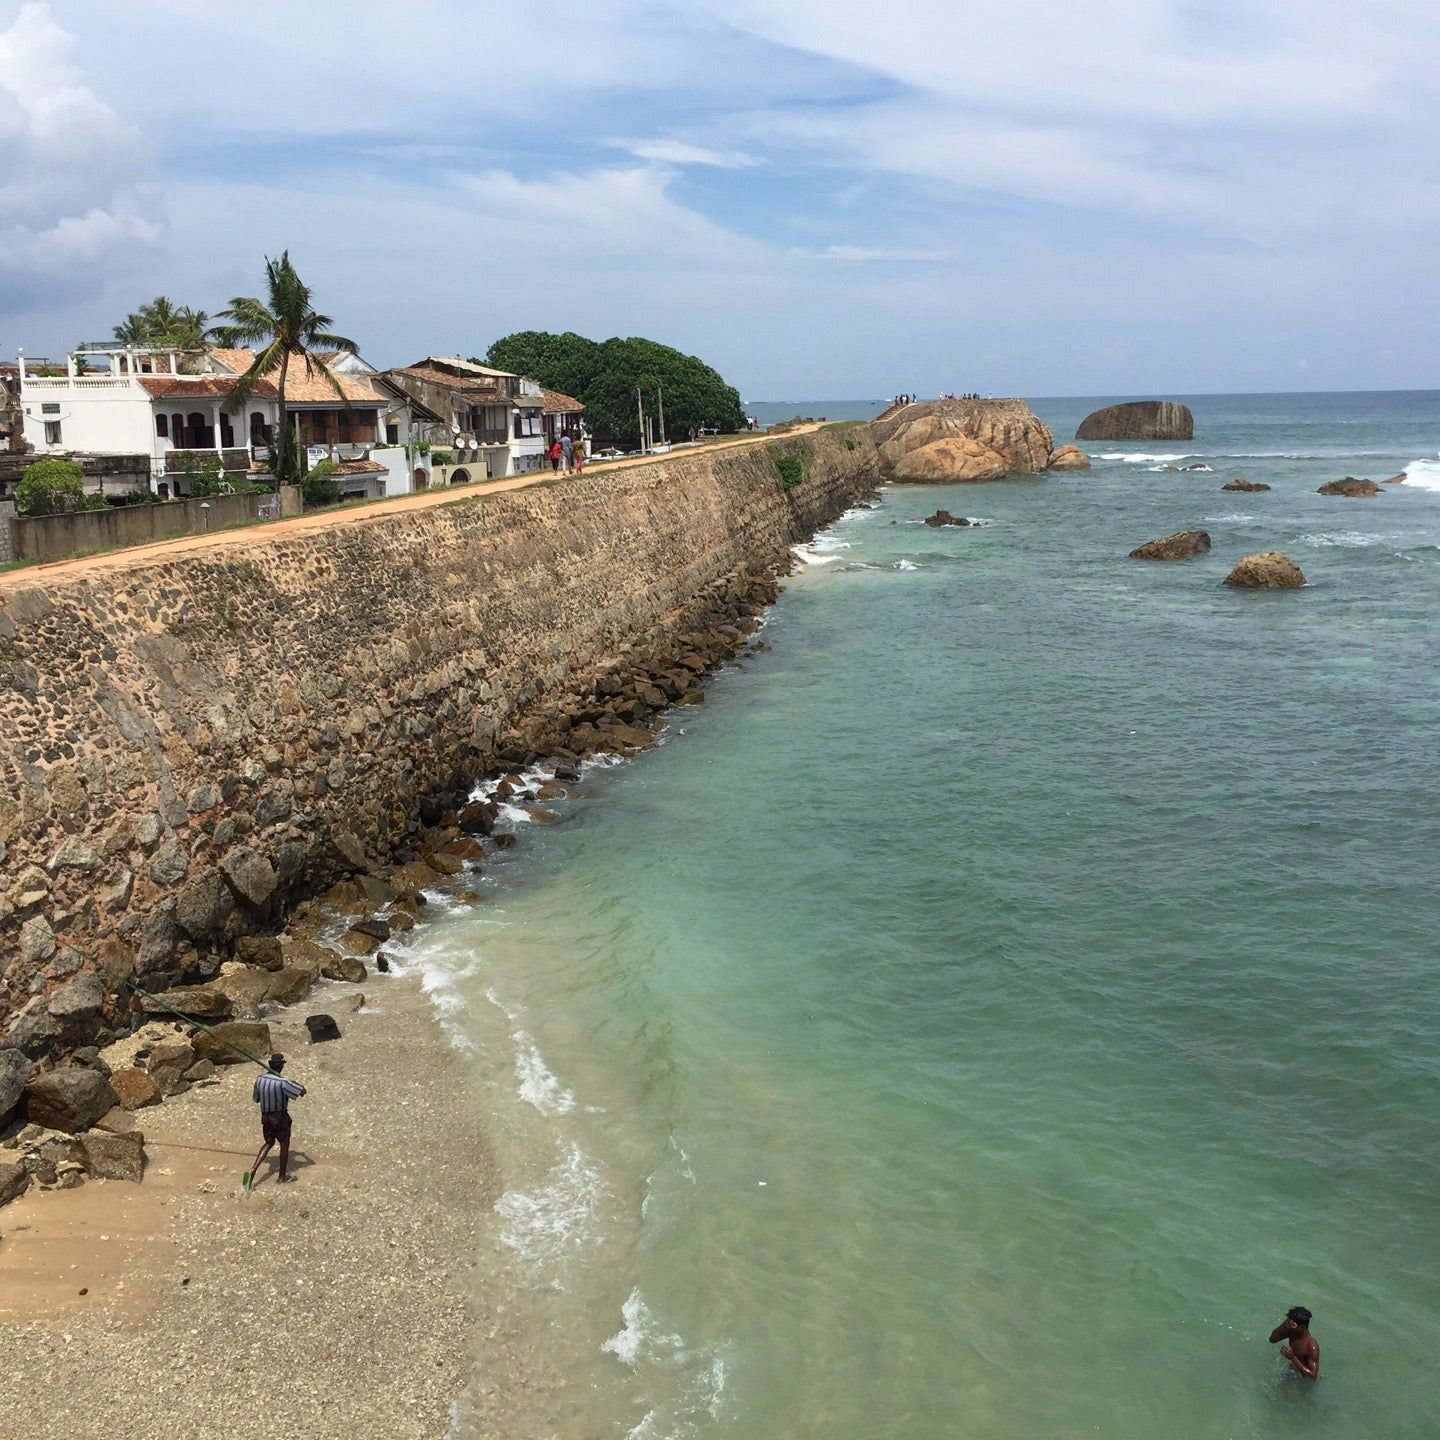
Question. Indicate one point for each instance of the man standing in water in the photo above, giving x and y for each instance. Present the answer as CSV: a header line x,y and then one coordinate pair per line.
x,y
1301,1351
273,1094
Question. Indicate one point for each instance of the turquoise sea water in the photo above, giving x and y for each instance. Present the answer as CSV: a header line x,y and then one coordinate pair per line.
x,y
992,1008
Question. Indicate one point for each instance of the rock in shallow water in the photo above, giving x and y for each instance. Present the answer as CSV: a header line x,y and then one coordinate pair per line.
x,y
1350,488
1252,487
944,517
1179,546
1268,570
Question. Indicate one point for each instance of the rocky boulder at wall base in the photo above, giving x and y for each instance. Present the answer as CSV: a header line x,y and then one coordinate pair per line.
x,y
1268,570
1139,420
956,441
1179,546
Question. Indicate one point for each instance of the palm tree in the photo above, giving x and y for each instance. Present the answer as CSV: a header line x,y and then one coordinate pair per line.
x,y
283,326
162,324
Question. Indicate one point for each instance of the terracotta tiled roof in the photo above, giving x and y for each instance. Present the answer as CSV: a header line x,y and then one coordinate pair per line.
x,y
177,387
559,404
237,360
302,388
359,467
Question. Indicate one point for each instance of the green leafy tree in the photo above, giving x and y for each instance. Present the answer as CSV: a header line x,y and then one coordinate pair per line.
x,y
49,487
604,377
319,488
285,327
164,325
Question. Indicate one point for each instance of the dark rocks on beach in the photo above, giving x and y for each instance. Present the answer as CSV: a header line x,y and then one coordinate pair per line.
x,y
357,942
113,1157
135,1088
1268,570
14,1072
1250,487
322,1028
1139,420
1351,488
14,1182
382,963
478,817
252,1037
1396,479
196,1002
80,999
263,950
944,517
349,968
250,875
167,1063
289,984
1179,546
70,1099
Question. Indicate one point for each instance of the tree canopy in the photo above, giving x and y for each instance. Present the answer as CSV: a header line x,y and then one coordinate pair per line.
x,y
50,486
603,375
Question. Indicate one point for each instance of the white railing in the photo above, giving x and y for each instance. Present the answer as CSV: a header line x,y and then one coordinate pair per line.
x,y
66,382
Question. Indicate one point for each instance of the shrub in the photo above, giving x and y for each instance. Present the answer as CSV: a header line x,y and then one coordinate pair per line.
x,y
319,488
791,467
204,476
51,486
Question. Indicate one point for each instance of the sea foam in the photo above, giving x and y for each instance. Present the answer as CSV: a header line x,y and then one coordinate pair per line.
x,y
1423,474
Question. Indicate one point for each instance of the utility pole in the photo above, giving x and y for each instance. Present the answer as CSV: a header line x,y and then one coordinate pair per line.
x,y
640,408
660,400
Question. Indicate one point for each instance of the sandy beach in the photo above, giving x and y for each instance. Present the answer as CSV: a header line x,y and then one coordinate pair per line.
x,y
339,1305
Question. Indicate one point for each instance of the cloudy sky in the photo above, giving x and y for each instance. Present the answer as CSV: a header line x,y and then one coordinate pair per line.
x,y
825,198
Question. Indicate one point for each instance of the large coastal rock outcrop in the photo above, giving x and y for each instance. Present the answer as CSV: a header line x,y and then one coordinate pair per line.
x,y
1179,546
947,442
1248,487
1350,488
1268,570
1139,420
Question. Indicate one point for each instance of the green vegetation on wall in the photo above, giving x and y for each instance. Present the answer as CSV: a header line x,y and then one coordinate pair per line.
x,y
790,465
604,375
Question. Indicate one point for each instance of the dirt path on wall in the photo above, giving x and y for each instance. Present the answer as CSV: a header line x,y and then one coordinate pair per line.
x,y
139,556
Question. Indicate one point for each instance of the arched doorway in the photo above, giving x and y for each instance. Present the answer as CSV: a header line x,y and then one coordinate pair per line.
x,y
460,477
422,479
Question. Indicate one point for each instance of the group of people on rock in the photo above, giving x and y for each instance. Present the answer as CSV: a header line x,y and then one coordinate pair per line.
x,y
970,395
904,400
566,455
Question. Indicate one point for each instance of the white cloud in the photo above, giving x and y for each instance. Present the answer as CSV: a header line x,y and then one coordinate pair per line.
x,y
859,254
70,180
680,152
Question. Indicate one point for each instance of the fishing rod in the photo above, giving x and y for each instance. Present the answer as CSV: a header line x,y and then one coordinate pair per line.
x,y
247,1180
188,1019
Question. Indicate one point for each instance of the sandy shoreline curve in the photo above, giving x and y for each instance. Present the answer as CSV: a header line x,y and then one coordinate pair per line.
x,y
344,1304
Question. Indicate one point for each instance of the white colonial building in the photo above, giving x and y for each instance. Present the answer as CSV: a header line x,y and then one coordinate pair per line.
x,y
170,407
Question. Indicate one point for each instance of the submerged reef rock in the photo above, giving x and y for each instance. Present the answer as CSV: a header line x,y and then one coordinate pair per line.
x,y
946,442
944,517
1350,488
1269,570
1139,420
1251,487
1179,546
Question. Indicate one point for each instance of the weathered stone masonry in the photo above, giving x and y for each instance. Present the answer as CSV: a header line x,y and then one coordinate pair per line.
x,y
189,746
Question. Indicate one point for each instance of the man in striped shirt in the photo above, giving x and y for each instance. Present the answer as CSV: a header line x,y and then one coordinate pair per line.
x,y
273,1094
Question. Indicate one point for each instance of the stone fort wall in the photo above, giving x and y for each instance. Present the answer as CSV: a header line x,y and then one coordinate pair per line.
x,y
189,746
